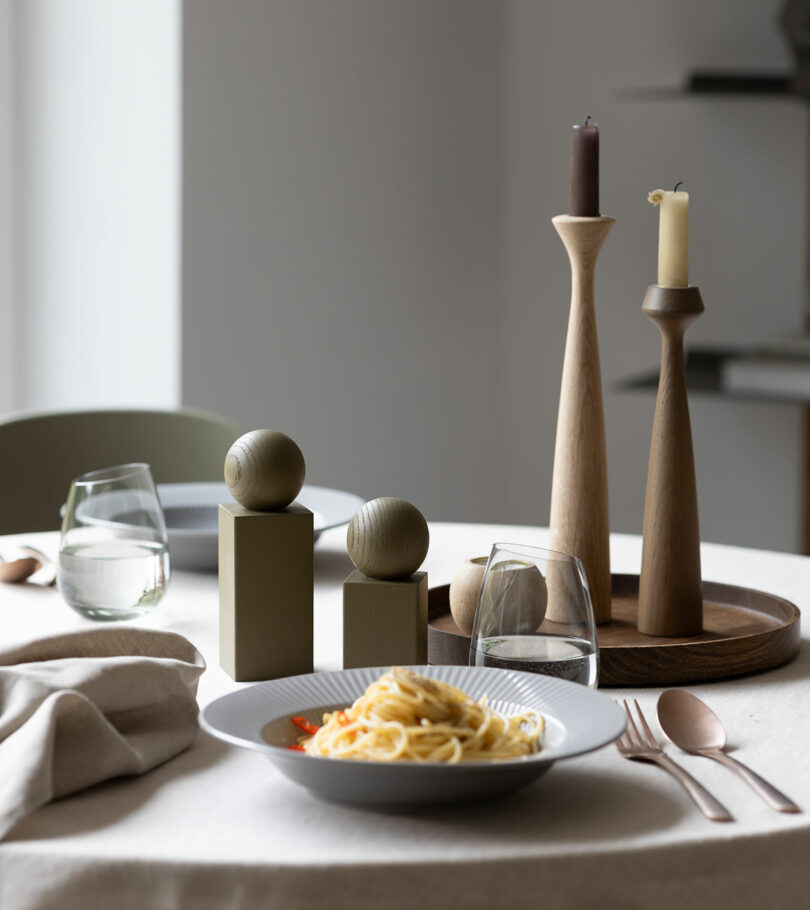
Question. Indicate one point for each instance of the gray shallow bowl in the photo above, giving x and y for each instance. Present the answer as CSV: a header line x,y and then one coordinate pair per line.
x,y
191,511
578,720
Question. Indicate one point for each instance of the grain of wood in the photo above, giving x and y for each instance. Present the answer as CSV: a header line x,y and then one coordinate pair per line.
x,y
670,593
579,521
388,538
264,470
464,590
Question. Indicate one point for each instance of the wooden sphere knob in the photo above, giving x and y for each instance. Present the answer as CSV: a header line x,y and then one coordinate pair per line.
x,y
264,470
516,595
388,538
464,590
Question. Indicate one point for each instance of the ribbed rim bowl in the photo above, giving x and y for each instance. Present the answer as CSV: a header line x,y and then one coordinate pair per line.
x,y
578,720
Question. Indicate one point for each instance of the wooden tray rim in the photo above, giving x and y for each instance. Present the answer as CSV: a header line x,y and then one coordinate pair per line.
x,y
769,648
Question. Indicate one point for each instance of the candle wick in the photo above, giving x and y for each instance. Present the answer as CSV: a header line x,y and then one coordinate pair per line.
x,y
587,119
677,185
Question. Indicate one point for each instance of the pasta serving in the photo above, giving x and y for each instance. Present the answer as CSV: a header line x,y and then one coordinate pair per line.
x,y
403,716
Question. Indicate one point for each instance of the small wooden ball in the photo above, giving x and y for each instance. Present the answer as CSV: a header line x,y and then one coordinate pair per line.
x,y
388,538
464,590
264,470
514,598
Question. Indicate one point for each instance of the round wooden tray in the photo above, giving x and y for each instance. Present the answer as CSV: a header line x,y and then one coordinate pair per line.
x,y
744,631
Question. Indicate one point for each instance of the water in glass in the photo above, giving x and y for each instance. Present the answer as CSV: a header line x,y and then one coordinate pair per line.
x,y
114,579
567,658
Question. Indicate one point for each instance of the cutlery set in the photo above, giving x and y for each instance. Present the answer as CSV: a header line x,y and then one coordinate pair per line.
x,y
692,726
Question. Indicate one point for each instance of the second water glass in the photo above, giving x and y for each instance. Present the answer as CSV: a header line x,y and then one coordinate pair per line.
x,y
113,551
535,614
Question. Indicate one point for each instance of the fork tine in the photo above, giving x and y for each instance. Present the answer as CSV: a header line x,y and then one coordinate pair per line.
x,y
624,744
633,735
621,742
643,720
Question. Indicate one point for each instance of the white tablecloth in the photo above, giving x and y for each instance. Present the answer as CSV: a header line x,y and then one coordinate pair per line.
x,y
220,827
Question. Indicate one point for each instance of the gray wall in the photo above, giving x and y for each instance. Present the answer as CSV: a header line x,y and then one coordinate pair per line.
x,y
368,260
341,237
744,162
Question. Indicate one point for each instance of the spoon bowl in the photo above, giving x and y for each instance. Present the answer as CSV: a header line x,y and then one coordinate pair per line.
x,y
27,562
17,570
692,726
689,722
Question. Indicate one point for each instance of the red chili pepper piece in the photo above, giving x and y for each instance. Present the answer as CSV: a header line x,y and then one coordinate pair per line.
x,y
303,724
297,748
343,718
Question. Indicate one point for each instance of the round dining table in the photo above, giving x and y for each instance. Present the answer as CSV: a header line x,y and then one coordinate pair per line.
x,y
219,827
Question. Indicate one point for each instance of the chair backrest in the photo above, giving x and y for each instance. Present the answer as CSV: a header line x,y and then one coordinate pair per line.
x,y
40,453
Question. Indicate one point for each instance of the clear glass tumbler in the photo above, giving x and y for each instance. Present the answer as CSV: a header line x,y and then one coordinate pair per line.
x,y
113,551
535,614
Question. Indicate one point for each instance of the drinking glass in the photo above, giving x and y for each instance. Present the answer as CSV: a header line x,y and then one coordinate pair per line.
x,y
113,551
534,614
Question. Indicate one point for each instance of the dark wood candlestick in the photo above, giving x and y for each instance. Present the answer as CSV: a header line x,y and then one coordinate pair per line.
x,y
670,587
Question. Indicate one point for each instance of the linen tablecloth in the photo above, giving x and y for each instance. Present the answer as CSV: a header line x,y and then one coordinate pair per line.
x,y
220,827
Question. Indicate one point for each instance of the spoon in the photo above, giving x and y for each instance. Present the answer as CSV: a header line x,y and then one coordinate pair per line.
x,y
18,570
694,727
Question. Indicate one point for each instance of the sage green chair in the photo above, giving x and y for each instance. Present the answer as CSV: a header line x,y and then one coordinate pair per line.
x,y
40,453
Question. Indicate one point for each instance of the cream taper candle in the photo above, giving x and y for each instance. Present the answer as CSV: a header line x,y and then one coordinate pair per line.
x,y
673,237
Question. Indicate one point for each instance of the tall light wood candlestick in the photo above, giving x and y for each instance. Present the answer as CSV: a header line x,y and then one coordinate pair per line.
x,y
670,587
579,521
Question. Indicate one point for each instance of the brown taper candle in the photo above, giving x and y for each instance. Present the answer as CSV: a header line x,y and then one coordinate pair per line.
x,y
584,199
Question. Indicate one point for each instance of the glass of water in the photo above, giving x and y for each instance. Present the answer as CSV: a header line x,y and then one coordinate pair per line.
x,y
113,551
534,614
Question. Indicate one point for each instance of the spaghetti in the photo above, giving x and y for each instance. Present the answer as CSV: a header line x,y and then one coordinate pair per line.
x,y
403,716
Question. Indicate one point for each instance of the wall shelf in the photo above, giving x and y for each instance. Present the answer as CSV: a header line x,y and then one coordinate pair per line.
x,y
719,84
760,375
704,369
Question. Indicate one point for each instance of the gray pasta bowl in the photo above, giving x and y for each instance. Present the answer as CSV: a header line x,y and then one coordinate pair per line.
x,y
578,720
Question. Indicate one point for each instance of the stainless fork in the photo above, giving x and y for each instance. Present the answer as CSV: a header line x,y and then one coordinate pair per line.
x,y
640,745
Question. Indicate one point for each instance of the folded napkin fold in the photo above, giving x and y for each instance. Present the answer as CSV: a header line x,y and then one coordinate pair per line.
x,y
80,708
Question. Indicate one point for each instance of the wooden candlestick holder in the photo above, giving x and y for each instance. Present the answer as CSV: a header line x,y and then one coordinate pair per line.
x,y
579,521
670,586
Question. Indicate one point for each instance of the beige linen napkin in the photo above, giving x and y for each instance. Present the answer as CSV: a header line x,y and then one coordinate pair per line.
x,y
79,708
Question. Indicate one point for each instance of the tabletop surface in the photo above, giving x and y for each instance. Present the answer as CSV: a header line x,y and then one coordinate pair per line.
x,y
221,827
